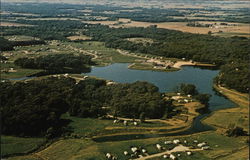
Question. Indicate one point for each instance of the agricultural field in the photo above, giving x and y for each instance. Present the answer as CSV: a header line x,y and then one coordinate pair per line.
x,y
233,29
10,24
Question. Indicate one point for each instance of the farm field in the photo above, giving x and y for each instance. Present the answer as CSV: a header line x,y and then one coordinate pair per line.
x,y
13,24
240,29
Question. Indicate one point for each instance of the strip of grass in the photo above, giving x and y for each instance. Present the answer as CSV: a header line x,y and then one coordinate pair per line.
x,y
14,145
140,66
77,149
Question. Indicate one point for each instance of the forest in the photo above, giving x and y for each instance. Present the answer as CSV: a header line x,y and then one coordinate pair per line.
x,y
57,63
45,29
38,105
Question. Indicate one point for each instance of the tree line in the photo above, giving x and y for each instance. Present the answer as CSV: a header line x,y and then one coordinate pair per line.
x,y
57,63
6,45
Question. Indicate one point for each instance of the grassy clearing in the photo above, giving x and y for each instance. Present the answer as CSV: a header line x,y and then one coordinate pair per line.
x,y
143,41
104,55
18,72
81,37
20,38
14,145
238,116
89,127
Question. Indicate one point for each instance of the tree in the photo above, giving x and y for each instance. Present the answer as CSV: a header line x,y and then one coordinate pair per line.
x,y
235,132
142,117
203,98
188,89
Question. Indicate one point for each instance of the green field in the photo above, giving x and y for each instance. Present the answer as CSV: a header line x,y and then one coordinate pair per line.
x,y
238,116
105,55
88,127
18,73
12,145
76,149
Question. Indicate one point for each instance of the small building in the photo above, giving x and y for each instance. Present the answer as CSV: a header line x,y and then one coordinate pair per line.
x,y
168,142
108,155
134,149
158,147
201,144
125,153
165,156
176,141
205,148
172,157
125,123
189,153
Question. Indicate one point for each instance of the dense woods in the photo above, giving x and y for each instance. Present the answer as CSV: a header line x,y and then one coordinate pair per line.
x,y
45,29
125,100
58,63
235,75
38,105
6,45
32,108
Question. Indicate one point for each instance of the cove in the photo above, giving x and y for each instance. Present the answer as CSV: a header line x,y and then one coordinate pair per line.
x,y
166,82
